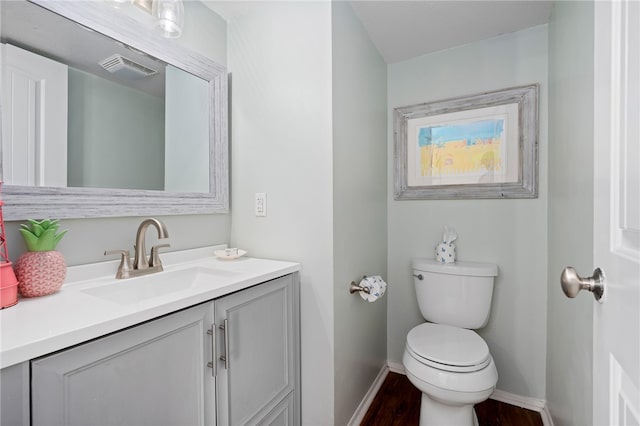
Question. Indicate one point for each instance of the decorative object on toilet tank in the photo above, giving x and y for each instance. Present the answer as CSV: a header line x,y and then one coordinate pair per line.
x,y
446,249
42,269
8,281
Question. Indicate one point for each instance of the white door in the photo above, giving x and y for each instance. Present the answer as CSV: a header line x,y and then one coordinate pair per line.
x,y
34,119
616,330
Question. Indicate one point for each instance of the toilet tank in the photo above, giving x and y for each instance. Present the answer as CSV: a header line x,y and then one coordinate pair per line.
x,y
457,294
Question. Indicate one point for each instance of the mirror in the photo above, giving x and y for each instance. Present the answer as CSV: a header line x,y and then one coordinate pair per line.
x,y
141,122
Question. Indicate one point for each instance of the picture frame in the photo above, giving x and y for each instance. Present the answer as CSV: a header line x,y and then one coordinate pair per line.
x,y
473,147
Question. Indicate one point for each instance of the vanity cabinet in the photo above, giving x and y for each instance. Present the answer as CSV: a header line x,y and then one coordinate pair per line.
x,y
258,363
151,374
176,370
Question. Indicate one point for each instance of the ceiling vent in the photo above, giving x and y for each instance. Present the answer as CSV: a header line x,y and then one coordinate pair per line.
x,y
126,68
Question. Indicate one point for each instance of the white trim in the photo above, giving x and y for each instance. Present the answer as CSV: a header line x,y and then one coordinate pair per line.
x,y
364,405
545,415
396,367
529,403
533,404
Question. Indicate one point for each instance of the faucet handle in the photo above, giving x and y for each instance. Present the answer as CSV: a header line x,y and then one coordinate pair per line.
x,y
124,269
154,258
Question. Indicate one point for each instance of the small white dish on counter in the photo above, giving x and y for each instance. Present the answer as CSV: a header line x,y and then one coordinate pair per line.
x,y
229,254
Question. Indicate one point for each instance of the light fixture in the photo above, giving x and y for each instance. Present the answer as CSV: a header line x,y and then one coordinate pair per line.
x,y
169,16
118,3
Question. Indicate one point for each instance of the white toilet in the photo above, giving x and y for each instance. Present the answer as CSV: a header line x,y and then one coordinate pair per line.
x,y
444,358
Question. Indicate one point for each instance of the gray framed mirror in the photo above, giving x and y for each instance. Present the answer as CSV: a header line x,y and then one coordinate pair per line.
x,y
179,165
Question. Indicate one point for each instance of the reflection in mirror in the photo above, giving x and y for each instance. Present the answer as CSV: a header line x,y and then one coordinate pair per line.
x,y
134,125
113,116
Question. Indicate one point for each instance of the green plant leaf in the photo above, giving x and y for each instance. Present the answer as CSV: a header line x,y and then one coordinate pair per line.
x,y
58,237
50,224
26,228
45,242
37,229
41,235
30,239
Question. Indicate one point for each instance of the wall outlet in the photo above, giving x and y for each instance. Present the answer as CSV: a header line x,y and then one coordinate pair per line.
x,y
261,204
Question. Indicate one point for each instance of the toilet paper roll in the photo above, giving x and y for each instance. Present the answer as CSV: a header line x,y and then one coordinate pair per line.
x,y
376,287
446,252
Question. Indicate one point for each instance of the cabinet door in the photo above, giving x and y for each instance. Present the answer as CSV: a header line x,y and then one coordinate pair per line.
x,y
152,374
14,389
258,356
282,415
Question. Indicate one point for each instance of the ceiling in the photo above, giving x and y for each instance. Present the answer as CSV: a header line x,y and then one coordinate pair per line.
x,y
403,29
399,29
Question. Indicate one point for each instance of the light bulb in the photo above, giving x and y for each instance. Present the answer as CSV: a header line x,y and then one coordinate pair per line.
x,y
169,16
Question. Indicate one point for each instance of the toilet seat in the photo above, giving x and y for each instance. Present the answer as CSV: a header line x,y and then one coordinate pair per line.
x,y
448,348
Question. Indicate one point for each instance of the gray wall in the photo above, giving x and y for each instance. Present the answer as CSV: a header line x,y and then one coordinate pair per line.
x,y
281,143
87,239
115,135
569,332
359,208
511,233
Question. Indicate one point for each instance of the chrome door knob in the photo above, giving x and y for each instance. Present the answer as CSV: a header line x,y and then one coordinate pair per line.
x,y
572,283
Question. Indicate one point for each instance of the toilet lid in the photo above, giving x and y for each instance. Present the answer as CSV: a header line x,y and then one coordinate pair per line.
x,y
449,348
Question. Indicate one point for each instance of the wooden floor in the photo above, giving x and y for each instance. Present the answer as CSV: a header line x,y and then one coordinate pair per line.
x,y
398,404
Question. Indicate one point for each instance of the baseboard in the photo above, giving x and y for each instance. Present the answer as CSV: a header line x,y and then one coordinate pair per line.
x,y
534,404
546,416
363,407
396,367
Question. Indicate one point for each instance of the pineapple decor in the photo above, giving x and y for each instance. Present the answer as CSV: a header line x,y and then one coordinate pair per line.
x,y
42,269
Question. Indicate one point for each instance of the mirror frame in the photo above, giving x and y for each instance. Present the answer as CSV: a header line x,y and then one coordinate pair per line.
x,y
23,202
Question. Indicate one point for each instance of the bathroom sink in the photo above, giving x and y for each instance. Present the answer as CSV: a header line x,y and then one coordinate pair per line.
x,y
138,289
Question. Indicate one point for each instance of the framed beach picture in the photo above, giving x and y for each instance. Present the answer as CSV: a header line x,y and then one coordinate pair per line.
x,y
481,146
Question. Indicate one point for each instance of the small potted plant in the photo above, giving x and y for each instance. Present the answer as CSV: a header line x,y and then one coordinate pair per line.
x,y
42,269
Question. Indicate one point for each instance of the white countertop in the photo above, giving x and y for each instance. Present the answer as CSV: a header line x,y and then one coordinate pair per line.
x,y
41,325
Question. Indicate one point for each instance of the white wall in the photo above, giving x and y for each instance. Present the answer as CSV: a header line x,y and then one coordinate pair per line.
x,y
511,233
87,239
359,208
569,331
281,144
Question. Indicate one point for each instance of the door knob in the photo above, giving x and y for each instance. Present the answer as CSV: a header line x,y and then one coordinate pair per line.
x,y
572,283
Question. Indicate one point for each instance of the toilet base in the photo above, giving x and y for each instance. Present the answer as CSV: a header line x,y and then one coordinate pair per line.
x,y
435,413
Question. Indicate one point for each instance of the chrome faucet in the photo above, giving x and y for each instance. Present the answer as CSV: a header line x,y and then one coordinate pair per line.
x,y
142,264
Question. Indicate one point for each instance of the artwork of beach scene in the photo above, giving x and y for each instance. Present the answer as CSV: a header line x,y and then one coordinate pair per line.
x,y
473,149
467,147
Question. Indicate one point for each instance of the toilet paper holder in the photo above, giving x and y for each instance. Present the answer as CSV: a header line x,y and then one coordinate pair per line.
x,y
354,288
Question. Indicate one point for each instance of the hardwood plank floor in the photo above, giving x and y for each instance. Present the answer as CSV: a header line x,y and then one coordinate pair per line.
x,y
397,403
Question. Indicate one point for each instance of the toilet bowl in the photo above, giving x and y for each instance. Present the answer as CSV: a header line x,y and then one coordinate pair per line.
x,y
444,358
452,368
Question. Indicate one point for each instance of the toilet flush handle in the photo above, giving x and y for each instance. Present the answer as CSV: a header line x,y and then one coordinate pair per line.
x,y
419,276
